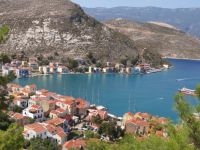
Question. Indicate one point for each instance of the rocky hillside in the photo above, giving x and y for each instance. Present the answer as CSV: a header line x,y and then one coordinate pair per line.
x,y
163,38
49,26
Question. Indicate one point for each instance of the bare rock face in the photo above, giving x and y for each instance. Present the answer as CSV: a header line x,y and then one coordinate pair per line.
x,y
48,26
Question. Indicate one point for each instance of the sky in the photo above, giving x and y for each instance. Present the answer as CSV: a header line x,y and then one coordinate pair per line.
x,y
139,3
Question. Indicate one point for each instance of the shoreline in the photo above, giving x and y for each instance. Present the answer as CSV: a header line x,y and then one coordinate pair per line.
x,y
180,58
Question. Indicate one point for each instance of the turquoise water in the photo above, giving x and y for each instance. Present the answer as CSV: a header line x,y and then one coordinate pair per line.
x,y
152,93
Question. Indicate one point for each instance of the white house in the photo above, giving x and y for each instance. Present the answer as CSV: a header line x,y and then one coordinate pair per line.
x,y
34,130
46,69
44,130
34,112
20,102
62,69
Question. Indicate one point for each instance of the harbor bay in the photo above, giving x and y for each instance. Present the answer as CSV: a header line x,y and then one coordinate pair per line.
x,y
152,93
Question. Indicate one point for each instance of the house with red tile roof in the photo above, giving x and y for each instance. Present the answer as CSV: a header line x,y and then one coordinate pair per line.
x,y
34,130
94,113
68,104
18,118
74,144
39,92
58,113
31,88
35,112
81,107
44,130
20,102
137,126
12,87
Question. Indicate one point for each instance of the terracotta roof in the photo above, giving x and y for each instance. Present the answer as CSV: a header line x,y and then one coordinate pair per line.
x,y
57,111
17,116
61,134
37,127
78,143
81,103
14,85
35,107
162,120
138,122
55,122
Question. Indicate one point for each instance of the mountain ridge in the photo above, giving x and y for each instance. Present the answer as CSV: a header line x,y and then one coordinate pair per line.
x,y
179,17
168,42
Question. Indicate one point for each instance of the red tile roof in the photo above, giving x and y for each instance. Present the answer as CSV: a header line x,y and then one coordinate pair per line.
x,y
81,103
74,144
55,122
138,122
37,127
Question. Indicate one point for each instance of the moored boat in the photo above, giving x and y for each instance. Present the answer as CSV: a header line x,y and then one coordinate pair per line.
x,y
187,91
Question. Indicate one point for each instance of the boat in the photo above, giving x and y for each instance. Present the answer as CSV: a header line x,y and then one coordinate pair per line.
x,y
187,91
153,71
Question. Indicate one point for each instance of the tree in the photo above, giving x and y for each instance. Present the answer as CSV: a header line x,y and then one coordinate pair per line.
x,y
187,114
109,129
5,58
12,139
3,32
43,144
124,61
97,120
71,63
91,57
4,121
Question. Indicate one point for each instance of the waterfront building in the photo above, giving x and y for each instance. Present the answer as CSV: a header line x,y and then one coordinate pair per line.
x,y
46,70
137,70
40,69
129,70
91,69
24,64
22,72
119,66
6,70
53,69
81,107
33,64
62,69
68,105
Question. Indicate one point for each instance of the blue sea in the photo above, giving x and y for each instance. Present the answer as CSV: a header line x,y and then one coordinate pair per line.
x,y
152,93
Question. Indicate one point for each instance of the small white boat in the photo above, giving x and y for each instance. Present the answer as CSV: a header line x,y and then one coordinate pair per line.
x,y
187,91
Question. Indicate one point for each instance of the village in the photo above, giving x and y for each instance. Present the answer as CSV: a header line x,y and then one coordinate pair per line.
x,y
72,121
32,68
